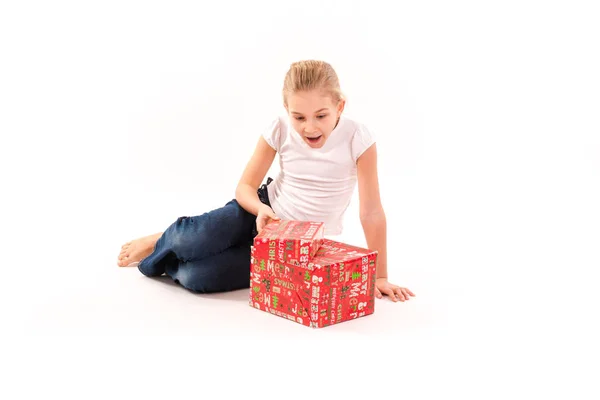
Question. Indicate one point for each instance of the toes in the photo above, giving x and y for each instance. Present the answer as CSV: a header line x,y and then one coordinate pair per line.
x,y
125,250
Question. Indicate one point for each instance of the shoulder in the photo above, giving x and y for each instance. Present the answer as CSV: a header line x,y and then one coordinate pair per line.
x,y
360,136
276,131
353,128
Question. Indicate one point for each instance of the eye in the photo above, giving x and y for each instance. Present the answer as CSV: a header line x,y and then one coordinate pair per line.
x,y
299,118
321,116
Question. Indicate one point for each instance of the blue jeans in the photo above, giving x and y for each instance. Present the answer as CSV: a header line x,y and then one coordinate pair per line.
x,y
209,252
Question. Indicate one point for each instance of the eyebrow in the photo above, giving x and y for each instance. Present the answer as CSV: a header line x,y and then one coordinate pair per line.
x,y
318,111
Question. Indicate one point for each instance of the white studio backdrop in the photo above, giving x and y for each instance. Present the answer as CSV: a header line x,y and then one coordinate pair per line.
x,y
118,117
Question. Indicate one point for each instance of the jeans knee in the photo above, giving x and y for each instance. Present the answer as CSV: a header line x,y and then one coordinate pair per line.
x,y
190,279
180,241
149,269
211,278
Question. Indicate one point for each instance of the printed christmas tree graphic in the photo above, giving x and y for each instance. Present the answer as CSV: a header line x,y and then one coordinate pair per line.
x,y
275,301
307,276
256,289
344,292
262,265
267,283
355,276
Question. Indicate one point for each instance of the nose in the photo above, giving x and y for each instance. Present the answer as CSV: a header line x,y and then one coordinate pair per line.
x,y
309,127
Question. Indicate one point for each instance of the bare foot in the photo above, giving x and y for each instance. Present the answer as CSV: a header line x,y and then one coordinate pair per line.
x,y
137,250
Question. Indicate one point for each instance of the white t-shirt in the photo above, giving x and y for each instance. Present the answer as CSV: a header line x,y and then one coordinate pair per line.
x,y
316,184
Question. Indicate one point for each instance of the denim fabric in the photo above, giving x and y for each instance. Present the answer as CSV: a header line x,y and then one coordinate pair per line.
x,y
209,252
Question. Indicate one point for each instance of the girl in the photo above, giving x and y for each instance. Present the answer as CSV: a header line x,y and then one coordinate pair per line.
x,y
322,156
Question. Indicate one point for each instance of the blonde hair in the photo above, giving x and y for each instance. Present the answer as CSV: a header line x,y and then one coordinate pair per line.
x,y
309,75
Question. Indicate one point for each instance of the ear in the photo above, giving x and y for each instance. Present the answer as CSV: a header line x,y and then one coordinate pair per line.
x,y
340,107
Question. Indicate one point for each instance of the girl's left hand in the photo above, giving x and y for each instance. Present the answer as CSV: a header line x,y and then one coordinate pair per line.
x,y
393,291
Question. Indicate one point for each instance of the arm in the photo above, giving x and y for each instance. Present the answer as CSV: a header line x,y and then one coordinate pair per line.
x,y
372,218
372,215
253,175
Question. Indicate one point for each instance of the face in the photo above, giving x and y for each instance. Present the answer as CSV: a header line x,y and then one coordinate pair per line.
x,y
314,115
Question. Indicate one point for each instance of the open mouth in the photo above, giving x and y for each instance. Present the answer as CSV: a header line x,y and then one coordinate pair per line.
x,y
314,140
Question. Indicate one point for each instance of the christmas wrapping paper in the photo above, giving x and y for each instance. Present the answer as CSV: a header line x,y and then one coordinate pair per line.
x,y
336,285
290,242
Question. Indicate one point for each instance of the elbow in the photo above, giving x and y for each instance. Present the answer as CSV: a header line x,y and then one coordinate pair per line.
x,y
372,216
242,192
239,191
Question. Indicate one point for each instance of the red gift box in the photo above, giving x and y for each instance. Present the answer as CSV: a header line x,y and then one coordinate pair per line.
x,y
337,285
289,242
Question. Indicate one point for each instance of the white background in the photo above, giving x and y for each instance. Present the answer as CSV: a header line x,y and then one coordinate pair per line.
x,y
118,117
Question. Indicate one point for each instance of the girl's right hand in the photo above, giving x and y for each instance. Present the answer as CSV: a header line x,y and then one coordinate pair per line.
x,y
265,215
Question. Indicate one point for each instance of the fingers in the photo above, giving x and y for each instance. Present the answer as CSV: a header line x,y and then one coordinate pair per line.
x,y
273,216
388,291
261,222
395,293
403,294
265,219
398,292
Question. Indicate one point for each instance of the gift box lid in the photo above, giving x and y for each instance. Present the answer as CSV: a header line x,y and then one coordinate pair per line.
x,y
291,230
333,252
294,242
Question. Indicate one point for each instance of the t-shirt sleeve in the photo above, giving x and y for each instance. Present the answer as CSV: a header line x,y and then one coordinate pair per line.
x,y
362,140
272,134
